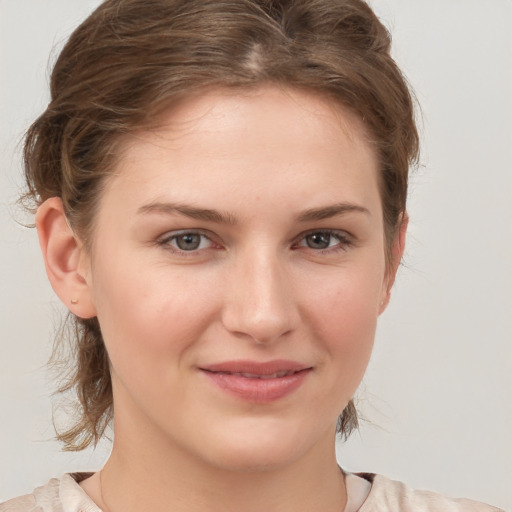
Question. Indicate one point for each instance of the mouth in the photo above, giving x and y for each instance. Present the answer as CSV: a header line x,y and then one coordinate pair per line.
x,y
275,375
257,382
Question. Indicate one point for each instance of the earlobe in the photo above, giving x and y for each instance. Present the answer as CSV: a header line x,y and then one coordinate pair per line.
x,y
397,252
65,259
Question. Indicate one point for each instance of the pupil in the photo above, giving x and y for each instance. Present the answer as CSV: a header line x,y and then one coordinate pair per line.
x,y
188,242
319,240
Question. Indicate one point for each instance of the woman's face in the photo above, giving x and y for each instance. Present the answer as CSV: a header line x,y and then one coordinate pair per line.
x,y
237,273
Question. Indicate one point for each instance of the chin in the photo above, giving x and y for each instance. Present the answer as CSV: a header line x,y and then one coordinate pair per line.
x,y
264,447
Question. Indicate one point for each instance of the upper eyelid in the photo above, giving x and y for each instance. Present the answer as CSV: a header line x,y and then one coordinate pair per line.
x,y
345,240
341,233
170,235
166,239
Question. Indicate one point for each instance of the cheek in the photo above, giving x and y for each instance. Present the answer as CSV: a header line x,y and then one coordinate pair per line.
x,y
148,317
343,317
349,328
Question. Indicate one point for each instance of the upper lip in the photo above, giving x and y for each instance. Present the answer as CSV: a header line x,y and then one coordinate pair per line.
x,y
274,368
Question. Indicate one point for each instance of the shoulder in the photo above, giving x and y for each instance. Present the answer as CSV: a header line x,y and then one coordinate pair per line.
x,y
42,499
55,496
389,495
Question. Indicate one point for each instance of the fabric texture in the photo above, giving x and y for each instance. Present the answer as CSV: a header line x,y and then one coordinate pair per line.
x,y
390,496
65,495
358,489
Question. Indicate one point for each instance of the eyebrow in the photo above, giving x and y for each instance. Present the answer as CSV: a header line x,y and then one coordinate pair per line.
x,y
193,212
334,210
219,217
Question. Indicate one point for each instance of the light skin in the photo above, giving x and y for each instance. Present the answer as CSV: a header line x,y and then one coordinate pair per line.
x,y
247,227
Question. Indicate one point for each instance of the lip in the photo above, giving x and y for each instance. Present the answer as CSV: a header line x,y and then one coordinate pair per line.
x,y
257,382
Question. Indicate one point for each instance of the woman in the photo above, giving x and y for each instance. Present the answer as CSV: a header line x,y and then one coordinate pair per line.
x,y
221,205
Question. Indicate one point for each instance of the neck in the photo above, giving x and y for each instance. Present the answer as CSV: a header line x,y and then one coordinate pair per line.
x,y
154,478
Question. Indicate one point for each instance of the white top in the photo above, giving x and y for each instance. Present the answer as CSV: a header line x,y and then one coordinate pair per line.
x,y
358,490
366,493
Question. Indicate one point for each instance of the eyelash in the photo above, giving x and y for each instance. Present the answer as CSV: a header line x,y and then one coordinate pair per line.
x,y
345,241
167,240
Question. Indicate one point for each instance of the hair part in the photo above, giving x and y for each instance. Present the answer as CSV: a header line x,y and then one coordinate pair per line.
x,y
130,60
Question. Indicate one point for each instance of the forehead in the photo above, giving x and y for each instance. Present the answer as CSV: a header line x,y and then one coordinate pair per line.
x,y
264,104
227,138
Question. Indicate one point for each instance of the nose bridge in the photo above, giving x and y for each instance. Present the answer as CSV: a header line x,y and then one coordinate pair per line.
x,y
260,304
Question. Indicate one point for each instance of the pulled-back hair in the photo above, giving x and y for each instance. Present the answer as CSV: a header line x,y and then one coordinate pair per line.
x,y
132,59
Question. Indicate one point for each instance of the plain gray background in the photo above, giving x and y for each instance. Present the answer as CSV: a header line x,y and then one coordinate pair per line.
x,y
438,392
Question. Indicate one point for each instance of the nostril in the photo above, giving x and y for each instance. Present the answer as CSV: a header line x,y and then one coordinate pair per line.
x,y
259,328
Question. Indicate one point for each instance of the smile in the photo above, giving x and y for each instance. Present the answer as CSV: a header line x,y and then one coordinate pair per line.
x,y
257,382
275,375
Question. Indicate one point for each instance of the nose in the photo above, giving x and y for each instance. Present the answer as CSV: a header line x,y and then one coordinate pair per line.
x,y
260,302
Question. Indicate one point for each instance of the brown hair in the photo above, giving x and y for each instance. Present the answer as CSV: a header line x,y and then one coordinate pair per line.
x,y
131,59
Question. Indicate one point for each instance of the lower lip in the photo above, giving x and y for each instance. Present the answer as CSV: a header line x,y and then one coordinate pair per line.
x,y
260,391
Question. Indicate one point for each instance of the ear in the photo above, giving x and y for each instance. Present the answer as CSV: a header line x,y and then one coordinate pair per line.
x,y
397,251
66,260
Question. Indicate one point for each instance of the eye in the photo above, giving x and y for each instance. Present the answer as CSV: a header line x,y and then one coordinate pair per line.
x,y
325,240
187,241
